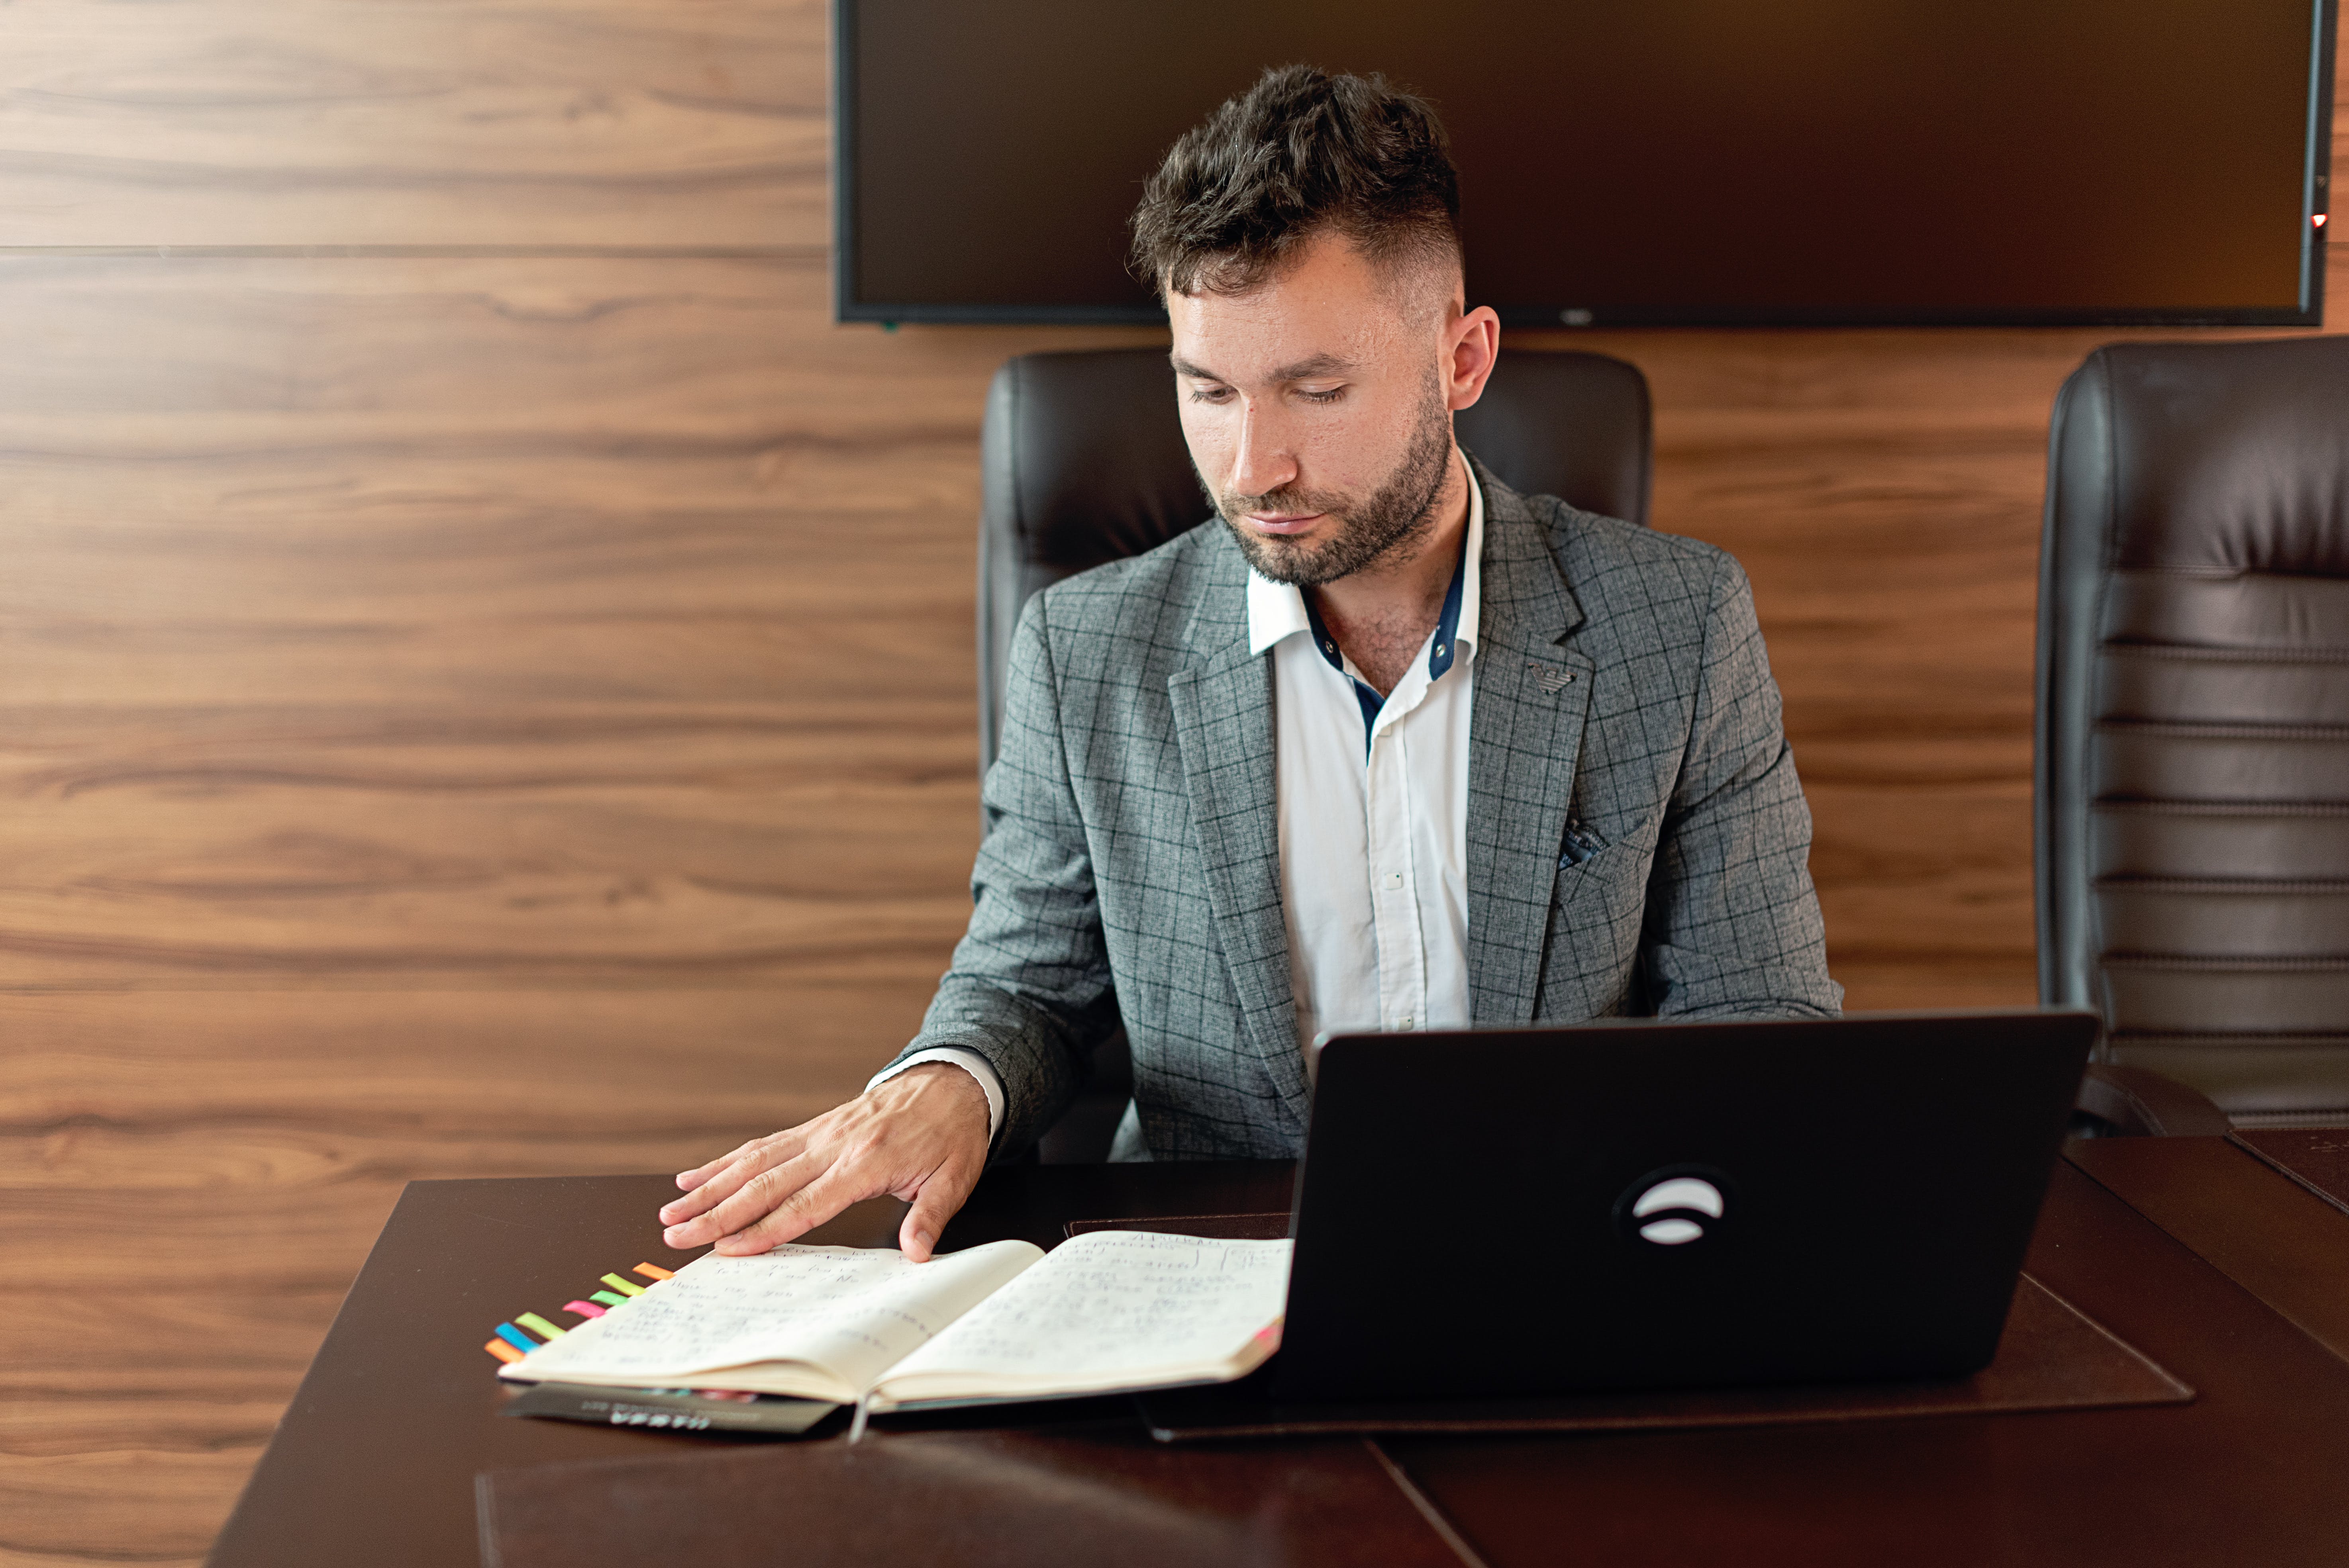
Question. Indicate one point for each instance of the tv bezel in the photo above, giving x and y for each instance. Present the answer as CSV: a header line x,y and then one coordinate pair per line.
x,y
2315,188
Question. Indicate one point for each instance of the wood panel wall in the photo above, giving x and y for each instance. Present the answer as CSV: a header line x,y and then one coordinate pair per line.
x,y
485,677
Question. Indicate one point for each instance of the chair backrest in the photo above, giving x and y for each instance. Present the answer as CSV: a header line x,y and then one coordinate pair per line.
x,y
2192,784
1083,462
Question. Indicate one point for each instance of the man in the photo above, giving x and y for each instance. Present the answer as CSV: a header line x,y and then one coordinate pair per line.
x,y
1392,747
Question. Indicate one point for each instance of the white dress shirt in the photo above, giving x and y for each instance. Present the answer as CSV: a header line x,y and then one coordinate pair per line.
x,y
1373,839
1373,822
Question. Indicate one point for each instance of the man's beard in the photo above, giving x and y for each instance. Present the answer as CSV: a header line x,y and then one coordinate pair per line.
x,y
1396,516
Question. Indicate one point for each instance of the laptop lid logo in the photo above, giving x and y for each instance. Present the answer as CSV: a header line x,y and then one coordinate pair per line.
x,y
1674,1206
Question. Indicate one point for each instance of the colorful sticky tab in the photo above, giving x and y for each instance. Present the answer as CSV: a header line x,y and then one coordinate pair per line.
x,y
511,1344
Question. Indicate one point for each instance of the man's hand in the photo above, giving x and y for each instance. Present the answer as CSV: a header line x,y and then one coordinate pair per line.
x,y
921,1136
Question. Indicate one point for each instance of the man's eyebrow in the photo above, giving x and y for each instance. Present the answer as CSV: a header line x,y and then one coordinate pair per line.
x,y
1318,364
1304,369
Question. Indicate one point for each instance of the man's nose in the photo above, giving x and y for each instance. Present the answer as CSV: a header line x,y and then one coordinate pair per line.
x,y
1263,461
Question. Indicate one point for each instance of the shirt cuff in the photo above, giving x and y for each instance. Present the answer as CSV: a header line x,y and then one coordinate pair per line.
x,y
971,1062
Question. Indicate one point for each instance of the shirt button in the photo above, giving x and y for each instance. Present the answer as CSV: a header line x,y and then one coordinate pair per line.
x,y
1395,880
1408,1021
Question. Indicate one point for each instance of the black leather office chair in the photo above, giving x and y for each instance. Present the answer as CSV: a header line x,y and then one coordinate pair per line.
x,y
2193,746
1083,463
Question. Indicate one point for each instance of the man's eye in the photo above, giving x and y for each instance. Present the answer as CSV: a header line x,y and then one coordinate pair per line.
x,y
1332,395
1211,394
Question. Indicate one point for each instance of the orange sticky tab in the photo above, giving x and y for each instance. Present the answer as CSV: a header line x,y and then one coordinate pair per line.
x,y
651,1271
503,1351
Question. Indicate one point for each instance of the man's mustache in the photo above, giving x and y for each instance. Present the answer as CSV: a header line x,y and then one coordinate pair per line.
x,y
1295,502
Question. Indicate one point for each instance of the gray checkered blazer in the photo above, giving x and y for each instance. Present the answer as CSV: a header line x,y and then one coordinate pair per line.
x,y
1130,868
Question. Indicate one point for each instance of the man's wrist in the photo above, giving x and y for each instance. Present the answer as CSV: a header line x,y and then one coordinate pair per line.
x,y
981,1070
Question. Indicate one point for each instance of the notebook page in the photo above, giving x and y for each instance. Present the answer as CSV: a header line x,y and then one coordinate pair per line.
x,y
1115,1302
853,1311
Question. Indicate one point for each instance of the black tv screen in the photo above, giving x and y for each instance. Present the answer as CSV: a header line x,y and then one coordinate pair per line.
x,y
1666,162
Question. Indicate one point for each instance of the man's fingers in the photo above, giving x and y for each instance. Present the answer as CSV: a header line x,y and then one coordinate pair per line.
x,y
729,1175
737,1196
888,1140
686,1181
942,1193
766,1192
795,1215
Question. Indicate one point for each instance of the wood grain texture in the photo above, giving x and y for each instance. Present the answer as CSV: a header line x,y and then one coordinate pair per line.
x,y
190,1181
513,715
460,620
324,122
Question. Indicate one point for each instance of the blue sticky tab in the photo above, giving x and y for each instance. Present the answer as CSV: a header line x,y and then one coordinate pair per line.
x,y
515,1337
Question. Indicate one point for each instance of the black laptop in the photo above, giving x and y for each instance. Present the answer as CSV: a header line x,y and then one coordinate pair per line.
x,y
1651,1204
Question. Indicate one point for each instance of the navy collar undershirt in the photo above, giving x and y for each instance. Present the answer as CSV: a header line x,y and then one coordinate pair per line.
x,y
1439,657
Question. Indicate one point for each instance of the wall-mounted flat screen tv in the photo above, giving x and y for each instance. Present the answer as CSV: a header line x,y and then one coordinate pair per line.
x,y
1691,162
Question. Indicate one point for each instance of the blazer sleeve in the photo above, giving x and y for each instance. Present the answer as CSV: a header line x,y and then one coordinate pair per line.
x,y
1732,928
1028,988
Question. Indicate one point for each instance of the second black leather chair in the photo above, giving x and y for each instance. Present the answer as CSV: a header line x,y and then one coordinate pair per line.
x,y
2193,756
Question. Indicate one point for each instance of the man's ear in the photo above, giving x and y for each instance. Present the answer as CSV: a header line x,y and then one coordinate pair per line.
x,y
1475,344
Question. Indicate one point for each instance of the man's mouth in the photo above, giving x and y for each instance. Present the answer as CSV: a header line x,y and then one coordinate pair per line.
x,y
1283,522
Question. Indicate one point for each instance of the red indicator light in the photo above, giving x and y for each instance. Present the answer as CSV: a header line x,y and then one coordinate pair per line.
x,y
2319,220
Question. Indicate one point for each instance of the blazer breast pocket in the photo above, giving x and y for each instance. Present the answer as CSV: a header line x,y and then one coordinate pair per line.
x,y
1600,883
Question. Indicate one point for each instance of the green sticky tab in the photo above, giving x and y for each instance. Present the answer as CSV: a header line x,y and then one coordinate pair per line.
x,y
538,1325
608,1299
623,1286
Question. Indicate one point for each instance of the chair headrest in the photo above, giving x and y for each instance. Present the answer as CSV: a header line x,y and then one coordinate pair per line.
x,y
1085,458
2230,458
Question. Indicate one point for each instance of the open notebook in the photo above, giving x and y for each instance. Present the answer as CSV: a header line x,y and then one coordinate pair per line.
x,y
1110,1310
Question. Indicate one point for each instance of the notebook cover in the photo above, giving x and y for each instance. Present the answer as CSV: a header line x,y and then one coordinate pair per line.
x,y
2052,1357
1095,1497
2316,1158
1215,1227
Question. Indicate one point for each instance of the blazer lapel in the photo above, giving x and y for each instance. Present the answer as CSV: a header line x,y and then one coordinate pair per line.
x,y
1223,705
1524,738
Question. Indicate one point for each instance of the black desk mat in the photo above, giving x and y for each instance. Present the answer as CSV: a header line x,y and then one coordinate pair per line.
x,y
2052,1357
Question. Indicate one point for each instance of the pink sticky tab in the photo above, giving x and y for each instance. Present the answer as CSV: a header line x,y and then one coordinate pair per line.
x,y
583,1308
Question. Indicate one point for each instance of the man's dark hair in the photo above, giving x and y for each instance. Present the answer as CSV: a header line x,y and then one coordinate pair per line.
x,y
1300,153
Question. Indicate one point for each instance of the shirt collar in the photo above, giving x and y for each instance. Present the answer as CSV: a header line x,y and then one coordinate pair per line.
x,y
1277,610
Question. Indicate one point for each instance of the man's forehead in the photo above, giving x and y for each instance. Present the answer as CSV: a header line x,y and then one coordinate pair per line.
x,y
1263,339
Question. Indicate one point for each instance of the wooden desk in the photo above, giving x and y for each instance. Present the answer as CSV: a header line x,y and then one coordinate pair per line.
x,y
374,1462
2265,1232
